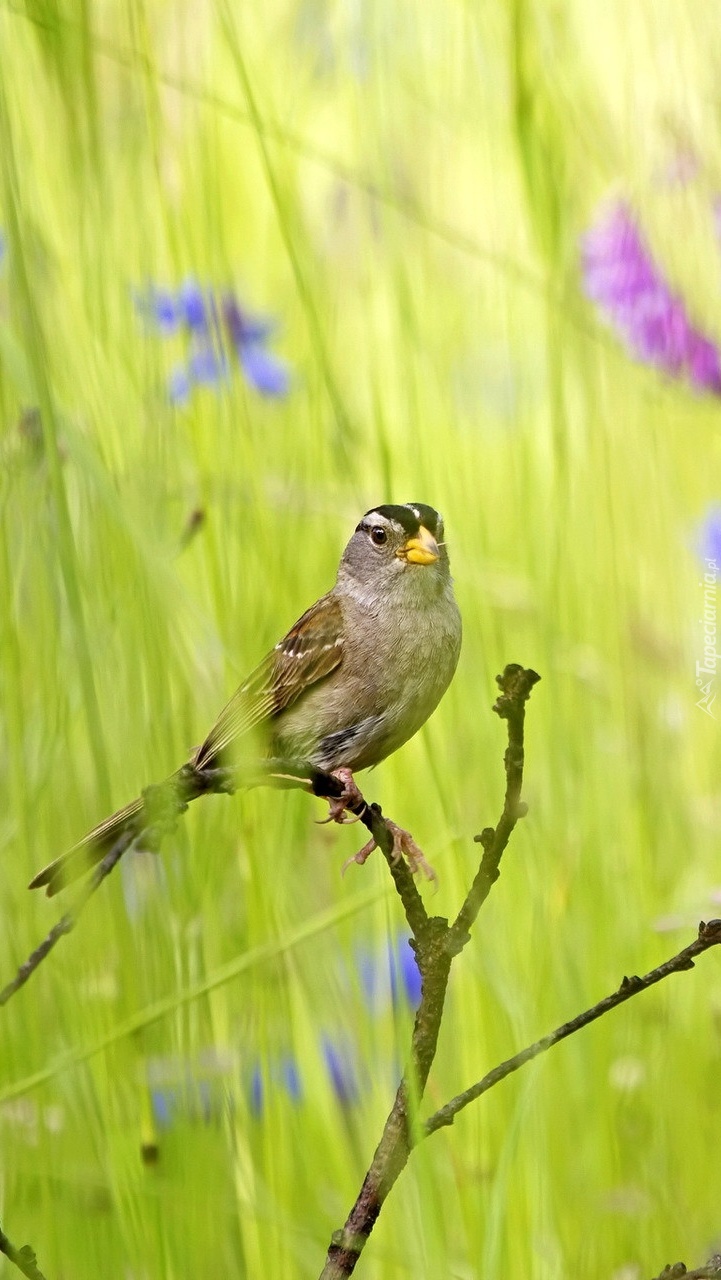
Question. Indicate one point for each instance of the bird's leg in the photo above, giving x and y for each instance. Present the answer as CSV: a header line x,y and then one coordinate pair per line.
x,y
350,797
403,843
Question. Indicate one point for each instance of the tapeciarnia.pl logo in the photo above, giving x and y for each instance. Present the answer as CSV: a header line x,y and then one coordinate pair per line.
x,y
706,670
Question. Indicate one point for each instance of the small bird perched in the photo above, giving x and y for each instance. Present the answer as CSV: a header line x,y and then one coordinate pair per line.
x,y
354,679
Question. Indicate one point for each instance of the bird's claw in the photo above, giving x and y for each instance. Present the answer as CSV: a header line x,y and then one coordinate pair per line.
x,y
337,805
336,813
360,857
403,843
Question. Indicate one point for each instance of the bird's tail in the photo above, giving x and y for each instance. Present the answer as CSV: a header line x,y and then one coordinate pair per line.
x,y
94,846
158,807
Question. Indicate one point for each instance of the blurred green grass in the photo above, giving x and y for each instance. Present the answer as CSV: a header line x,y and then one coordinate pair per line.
x,y
404,190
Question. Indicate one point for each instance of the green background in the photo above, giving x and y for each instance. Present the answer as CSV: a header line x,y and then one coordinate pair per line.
x,y
404,188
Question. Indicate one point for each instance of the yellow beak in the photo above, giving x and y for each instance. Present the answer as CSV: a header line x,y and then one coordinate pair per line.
x,y
423,549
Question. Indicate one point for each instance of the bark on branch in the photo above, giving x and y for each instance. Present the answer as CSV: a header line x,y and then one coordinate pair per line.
x,y
436,944
23,1258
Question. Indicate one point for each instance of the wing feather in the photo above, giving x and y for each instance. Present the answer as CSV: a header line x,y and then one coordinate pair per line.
x,y
310,651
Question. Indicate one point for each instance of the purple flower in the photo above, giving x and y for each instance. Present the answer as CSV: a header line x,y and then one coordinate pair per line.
x,y
214,329
709,541
628,286
242,327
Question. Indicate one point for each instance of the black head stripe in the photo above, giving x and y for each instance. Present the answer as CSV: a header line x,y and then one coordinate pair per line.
x,y
410,517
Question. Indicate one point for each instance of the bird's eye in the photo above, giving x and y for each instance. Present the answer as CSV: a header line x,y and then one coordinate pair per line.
x,y
379,535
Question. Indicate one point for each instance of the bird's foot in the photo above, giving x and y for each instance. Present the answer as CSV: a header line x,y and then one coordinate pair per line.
x,y
350,796
403,843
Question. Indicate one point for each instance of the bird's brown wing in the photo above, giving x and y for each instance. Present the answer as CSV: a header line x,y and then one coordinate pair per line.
x,y
309,652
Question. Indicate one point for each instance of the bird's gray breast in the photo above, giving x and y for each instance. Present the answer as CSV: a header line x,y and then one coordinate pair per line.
x,y
397,664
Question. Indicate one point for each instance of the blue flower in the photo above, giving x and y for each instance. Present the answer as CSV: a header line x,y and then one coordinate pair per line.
x,y
244,329
709,541
340,1064
256,1090
264,371
410,973
290,1077
159,307
192,307
179,386
283,1072
389,973
214,329
624,280
206,366
248,335
192,1100
163,1102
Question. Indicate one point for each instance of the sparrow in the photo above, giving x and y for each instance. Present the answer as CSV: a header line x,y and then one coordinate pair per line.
x,y
353,679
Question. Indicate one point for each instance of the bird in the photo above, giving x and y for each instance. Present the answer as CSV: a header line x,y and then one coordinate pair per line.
x,y
357,675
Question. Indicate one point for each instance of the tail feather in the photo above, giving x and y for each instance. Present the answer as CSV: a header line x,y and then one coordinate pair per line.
x,y
156,811
156,804
88,851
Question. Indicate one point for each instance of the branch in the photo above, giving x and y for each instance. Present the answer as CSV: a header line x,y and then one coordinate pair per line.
x,y
515,684
677,1271
436,944
67,922
709,935
165,803
23,1258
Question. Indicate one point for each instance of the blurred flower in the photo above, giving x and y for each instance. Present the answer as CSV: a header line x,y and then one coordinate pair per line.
x,y
200,1090
214,330
256,1090
195,1100
709,538
627,285
341,1067
290,1076
409,971
390,972
284,1073
248,336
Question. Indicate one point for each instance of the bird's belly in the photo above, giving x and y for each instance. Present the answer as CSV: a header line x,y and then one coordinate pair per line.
x,y
356,721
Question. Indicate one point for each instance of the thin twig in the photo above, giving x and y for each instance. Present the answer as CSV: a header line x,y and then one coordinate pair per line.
x,y
677,1271
23,1258
435,944
515,684
372,818
709,935
68,921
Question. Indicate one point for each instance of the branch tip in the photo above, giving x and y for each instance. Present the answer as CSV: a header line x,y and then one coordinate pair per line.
x,y
630,984
485,837
515,684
